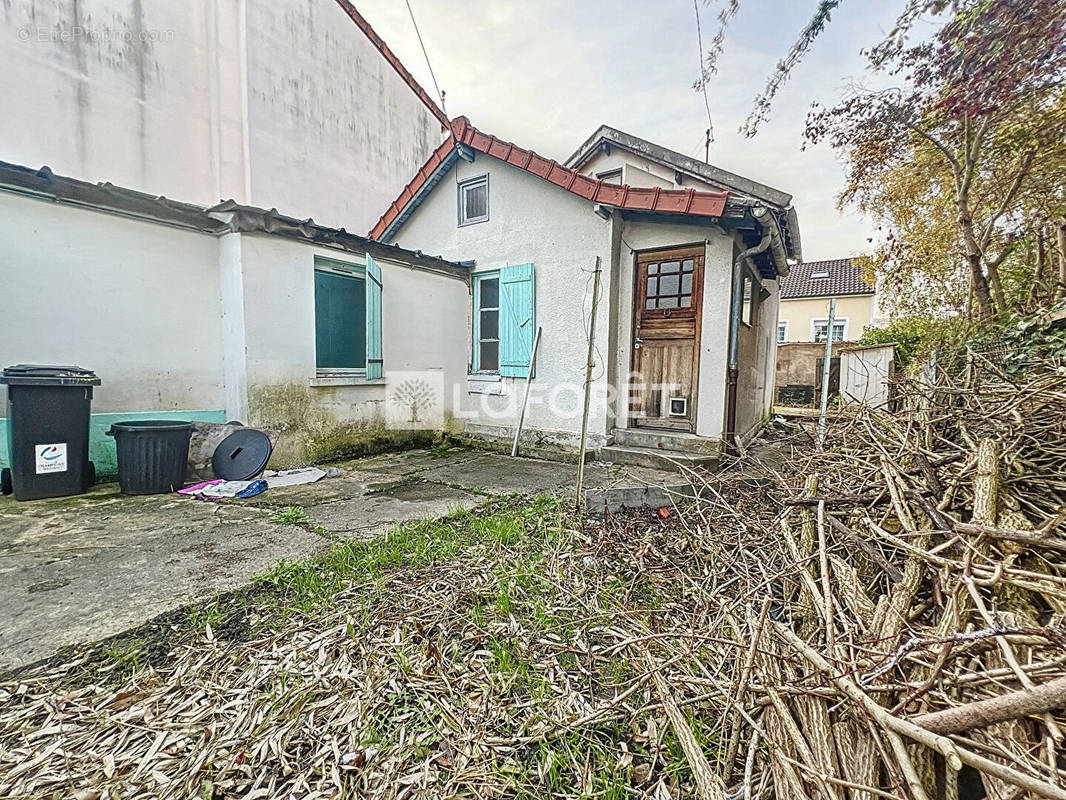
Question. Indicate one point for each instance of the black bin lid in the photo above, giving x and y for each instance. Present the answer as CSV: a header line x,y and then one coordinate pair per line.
x,y
48,375
242,455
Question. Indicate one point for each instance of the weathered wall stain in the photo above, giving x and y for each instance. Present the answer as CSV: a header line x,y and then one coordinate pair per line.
x,y
313,434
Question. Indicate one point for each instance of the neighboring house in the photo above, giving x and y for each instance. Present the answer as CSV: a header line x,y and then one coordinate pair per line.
x,y
215,314
294,104
687,309
614,156
805,296
189,309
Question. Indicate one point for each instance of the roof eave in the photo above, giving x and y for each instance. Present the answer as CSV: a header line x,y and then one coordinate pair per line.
x,y
679,161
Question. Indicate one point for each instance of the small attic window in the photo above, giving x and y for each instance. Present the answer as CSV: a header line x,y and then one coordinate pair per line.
x,y
474,200
611,176
819,274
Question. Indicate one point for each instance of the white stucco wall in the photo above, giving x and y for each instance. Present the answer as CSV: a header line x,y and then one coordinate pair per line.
x,y
136,301
640,171
423,327
334,132
280,104
530,220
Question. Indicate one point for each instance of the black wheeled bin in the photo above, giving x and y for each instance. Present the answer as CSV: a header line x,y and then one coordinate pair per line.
x,y
48,430
152,455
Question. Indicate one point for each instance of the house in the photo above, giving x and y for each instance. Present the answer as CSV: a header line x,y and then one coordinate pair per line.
x,y
686,314
224,313
805,296
295,104
190,308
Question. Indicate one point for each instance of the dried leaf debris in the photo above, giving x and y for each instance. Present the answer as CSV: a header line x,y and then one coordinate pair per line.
x,y
882,618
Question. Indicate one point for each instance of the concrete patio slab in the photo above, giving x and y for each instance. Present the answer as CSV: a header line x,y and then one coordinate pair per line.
x,y
83,568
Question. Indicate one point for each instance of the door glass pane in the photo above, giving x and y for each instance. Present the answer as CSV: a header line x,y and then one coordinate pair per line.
x,y
670,266
686,284
489,356
490,325
667,302
490,293
653,269
669,284
686,265
650,303
686,302
651,291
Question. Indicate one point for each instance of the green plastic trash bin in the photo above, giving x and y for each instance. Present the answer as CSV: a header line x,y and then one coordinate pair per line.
x,y
48,430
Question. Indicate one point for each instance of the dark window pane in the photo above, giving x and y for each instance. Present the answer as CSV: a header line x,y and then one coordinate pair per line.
x,y
477,201
489,360
667,302
686,284
686,302
490,325
490,293
671,266
669,284
340,321
686,265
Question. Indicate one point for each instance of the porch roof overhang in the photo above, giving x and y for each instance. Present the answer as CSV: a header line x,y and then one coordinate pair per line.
x,y
741,218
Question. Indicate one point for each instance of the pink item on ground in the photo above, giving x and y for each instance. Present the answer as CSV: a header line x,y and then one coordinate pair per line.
x,y
196,487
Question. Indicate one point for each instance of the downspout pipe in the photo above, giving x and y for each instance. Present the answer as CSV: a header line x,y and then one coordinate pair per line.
x,y
735,312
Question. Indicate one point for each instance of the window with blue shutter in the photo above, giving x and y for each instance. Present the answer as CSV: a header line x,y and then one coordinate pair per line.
x,y
374,361
504,320
517,322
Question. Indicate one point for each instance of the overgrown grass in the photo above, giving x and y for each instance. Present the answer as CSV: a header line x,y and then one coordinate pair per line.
x,y
308,585
291,515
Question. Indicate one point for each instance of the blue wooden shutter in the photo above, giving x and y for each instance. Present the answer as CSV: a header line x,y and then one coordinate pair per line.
x,y
374,362
517,320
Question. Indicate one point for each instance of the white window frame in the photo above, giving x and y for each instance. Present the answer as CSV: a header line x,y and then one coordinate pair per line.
x,y
782,331
825,321
475,361
462,187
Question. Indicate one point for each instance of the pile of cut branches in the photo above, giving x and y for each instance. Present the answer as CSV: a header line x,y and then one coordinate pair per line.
x,y
881,618
915,647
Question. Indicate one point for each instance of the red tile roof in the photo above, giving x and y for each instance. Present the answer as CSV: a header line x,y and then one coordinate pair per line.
x,y
383,48
666,201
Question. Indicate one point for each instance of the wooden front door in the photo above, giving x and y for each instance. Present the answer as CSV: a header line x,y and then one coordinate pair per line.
x,y
666,338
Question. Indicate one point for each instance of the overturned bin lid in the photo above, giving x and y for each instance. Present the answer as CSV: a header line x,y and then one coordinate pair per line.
x,y
48,375
242,455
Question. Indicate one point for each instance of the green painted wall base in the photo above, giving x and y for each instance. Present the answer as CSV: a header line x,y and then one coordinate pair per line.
x,y
102,447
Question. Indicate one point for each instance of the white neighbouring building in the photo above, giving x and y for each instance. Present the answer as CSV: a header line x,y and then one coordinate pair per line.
x,y
290,104
294,104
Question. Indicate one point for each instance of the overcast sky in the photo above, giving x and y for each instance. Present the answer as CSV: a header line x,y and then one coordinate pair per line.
x,y
546,73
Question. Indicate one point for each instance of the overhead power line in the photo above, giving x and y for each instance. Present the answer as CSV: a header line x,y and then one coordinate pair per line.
x,y
703,83
440,94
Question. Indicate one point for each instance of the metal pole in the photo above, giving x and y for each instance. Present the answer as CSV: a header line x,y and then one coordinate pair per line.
x,y
525,397
588,380
825,370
